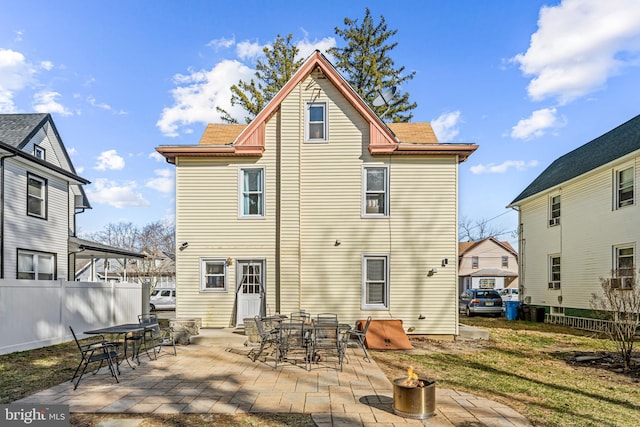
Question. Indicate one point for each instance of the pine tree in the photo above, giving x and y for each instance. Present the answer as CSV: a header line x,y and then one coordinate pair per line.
x,y
366,65
270,76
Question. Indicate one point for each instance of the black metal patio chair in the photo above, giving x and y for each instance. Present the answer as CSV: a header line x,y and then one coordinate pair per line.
x,y
155,336
96,351
269,336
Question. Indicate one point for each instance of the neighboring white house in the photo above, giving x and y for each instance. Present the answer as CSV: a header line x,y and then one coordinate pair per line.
x,y
318,204
488,264
580,221
41,195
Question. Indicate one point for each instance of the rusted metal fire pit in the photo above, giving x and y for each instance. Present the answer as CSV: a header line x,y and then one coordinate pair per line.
x,y
414,398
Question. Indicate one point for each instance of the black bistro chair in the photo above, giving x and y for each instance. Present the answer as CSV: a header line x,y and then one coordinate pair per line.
x,y
93,352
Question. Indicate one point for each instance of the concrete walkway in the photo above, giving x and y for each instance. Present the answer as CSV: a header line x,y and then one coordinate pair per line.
x,y
214,375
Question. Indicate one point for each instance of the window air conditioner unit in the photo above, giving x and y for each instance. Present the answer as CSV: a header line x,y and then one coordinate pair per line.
x,y
554,221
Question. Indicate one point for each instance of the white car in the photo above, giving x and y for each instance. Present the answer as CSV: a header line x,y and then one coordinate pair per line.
x,y
509,294
163,299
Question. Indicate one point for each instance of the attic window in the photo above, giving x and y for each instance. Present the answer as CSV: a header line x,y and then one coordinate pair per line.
x,y
316,122
39,152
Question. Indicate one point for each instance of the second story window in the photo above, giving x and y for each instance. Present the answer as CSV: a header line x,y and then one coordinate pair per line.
x,y
554,211
475,262
505,261
36,196
252,193
624,187
376,191
316,122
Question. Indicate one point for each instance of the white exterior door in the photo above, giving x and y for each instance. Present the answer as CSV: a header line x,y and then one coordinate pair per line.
x,y
250,289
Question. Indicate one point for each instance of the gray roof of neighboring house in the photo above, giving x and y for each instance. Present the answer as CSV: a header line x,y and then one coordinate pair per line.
x,y
493,272
612,145
17,129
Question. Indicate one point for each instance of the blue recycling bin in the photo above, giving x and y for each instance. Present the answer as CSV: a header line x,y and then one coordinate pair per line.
x,y
511,309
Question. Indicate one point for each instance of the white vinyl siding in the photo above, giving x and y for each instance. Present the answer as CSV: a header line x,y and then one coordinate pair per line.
x,y
591,227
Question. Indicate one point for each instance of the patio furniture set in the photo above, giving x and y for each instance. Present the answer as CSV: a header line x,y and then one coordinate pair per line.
x,y
129,337
299,338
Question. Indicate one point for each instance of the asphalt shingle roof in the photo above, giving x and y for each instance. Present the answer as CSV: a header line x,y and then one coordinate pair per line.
x,y
614,144
15,129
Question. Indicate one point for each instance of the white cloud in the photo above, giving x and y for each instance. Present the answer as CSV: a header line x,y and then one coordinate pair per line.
x,y
198,93
306,47
519,165
163,182
119,196
222,43
536,125
72,151
104,106
79,169
156,156
579,44
15,74
45,102
109,160
249,50
46,65
446,126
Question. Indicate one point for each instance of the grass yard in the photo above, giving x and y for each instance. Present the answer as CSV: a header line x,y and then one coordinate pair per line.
x,y
528,366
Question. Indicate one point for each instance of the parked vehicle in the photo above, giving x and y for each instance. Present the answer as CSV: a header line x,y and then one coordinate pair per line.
x,y
480,301
509,294
163,299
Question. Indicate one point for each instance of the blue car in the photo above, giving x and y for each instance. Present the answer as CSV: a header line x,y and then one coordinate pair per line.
x,y
480,301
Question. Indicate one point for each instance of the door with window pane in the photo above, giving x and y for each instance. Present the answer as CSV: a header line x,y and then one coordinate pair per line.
x,y
250,289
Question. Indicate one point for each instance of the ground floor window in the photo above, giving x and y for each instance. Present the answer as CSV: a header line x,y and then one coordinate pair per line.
x,y
36,265
375,275
213,275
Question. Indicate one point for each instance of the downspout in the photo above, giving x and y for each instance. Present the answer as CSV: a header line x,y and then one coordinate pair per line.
x,y
521,257
2,213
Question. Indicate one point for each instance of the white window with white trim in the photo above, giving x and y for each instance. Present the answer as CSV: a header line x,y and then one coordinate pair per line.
x,y
554,210
375,282
623,266
36,265
375,182
213,274
251,192
36,196
315,123
554,271
624,187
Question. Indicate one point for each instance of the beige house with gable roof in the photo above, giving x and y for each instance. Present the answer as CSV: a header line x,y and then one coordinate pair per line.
x,y
319,205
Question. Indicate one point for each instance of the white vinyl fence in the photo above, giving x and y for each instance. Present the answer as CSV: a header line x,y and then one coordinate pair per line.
x,y
38,313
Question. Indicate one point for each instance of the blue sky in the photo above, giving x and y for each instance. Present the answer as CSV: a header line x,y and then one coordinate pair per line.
x,y
528,81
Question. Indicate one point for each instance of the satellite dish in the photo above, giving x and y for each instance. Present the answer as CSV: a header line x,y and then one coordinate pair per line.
x,y
385,96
